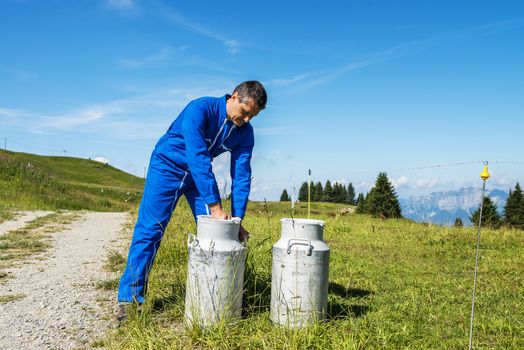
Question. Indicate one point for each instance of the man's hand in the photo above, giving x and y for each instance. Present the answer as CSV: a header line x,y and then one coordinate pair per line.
x,y
217,212
243,234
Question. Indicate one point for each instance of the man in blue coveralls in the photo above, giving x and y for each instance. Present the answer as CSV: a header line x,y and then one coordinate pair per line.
x,y
181,164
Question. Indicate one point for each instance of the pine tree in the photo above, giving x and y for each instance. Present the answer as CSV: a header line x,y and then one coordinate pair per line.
x,y
383,201
284,197
317,192
343,194
514,208
328,192
360,204
458,223
350,197
337,192
302,193
490,216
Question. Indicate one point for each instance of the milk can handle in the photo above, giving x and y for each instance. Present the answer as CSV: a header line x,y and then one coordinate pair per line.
x,y
299,241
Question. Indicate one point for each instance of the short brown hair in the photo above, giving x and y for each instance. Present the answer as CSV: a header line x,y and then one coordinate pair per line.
x,y
252,89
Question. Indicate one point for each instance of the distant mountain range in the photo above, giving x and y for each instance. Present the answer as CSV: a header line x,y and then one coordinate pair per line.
x,y
443,208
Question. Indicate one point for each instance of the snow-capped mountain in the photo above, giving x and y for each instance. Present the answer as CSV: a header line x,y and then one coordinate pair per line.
x,y
444,207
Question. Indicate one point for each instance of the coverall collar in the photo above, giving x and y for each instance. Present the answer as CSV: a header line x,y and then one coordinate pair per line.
x,y
223,110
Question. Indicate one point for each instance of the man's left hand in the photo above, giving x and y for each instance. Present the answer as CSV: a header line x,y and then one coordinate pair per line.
x,y
243,235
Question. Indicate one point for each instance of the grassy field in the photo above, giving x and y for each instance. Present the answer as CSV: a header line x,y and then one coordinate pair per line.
x,y
394,284
29,181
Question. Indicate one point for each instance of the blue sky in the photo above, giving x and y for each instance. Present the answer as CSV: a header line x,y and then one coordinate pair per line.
x,y
355,87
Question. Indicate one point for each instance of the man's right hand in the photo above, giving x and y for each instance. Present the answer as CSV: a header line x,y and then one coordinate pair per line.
x,y
217,212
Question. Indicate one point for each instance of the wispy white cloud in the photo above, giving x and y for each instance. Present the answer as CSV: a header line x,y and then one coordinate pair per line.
x,y
41,132
101,159
311,79
233,46
8,112
143,116
427,183
363,187
288,81
152,60
399,182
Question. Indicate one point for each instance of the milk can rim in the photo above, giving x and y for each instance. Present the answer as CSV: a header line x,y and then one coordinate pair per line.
x,y
207,218
303,221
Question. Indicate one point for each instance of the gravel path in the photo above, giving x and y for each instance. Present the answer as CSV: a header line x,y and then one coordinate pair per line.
x,y
62,308
22,218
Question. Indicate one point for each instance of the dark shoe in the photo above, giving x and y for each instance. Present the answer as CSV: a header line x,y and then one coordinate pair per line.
x,y
125,308
121,314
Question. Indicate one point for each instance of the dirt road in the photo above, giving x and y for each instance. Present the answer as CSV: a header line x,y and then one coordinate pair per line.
x,y
60,306
22,218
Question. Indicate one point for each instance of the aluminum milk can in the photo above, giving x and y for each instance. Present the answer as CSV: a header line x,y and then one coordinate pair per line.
x,y
300,274
215,272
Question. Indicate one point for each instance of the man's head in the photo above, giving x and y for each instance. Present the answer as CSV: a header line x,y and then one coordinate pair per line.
x,y
247,100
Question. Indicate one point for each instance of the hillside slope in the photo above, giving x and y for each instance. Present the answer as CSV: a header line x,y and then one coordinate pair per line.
x,y
29,181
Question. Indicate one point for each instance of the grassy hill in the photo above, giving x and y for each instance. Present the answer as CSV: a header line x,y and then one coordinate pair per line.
x,y
394,284
29,181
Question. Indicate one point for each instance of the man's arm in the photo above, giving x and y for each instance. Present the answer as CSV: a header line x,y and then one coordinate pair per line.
x,y
199,158
241,175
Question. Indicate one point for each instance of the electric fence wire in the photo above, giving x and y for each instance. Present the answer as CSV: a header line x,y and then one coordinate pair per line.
x,y
442,165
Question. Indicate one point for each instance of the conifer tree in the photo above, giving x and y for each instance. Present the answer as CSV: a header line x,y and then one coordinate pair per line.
x,y
458,223
490,216
328,192
383,201
361,204
337,192
317,192
313,192
350,196
343,194
302,193
514,208
284,197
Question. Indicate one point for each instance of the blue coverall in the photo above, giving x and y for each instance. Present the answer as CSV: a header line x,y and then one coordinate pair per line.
x,y
181,164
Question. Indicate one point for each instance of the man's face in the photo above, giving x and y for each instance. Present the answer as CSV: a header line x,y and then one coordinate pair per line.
x,y
239,112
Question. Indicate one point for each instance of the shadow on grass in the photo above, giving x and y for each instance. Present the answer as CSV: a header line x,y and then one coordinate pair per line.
x,y
343,292
339,306
338,310
176,296
257,297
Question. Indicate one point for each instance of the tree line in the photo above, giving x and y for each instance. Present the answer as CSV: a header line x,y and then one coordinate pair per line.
x,y
513,215
380,201
336,193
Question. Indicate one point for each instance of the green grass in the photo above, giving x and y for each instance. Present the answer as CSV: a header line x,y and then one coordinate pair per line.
x,y
109,284
29,181
6,215
394,284
11,297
